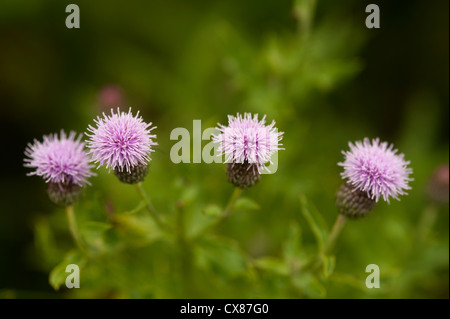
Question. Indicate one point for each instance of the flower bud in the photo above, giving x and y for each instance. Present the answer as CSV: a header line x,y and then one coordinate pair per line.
x,y
352,202
136,174
243,175
64,194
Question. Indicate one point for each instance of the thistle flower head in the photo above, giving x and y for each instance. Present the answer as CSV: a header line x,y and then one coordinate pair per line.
x,y
59,160
121,141
377,169
248,140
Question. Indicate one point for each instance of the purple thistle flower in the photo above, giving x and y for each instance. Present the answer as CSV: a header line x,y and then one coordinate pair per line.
x,y
59,160
248,140
377,169
121,141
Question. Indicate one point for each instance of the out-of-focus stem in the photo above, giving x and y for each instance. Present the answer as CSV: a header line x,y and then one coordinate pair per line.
x,y
317,261
305,16
234,197
151,209
334,234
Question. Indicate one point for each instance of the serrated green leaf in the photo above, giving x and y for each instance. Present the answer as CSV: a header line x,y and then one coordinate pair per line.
x,y
212,210
58,275
245,203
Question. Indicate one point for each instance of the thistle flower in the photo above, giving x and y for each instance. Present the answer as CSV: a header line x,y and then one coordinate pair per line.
x,y
248,145
63,163
122,142
376,170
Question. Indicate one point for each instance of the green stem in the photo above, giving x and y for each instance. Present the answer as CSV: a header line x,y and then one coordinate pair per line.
x,y
304,22
151,209
234,197
335,231
73,228
304,26
316,262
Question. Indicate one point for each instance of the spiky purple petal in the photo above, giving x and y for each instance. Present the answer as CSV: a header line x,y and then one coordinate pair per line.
x,y
248,140
121,141
377,169
59,160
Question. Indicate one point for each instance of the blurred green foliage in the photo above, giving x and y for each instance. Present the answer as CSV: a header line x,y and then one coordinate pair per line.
x,y
310,65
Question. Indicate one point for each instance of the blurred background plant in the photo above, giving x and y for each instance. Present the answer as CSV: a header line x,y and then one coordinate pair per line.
x,y
312,66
